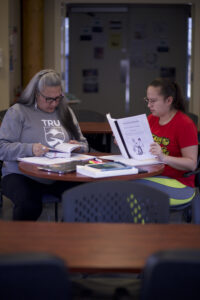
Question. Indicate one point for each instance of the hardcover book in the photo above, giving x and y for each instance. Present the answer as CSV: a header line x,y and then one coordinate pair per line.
x,y
106,169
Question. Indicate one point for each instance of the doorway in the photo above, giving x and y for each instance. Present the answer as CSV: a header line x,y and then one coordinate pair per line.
x,y
115,51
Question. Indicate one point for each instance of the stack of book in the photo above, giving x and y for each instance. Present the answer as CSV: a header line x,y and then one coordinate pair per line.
x,y
107,169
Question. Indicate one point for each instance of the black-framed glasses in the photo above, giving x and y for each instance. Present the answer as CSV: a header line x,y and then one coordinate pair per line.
x,y
150,101
50,99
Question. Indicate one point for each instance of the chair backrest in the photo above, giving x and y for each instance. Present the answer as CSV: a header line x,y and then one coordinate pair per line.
x,y
194,118
172,274
84,115
2,114
196,172
33,276
115,201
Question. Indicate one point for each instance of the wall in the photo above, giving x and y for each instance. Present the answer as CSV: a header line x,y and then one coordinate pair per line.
x,y
141,29
10,16
14,50
194,104
10,72
49,27
4,45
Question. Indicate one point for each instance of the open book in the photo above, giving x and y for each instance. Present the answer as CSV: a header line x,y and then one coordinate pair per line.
x,y
61,150
133,136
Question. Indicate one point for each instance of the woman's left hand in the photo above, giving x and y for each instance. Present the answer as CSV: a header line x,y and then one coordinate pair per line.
x,y
156,150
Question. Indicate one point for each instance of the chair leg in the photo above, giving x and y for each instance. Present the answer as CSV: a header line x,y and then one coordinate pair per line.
x,y
1,199
196,208
56,211
187,214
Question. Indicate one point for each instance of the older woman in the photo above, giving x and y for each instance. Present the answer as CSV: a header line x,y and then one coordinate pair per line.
x,y
41,118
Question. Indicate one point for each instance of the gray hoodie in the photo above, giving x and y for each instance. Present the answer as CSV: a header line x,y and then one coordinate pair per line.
x,y
23,126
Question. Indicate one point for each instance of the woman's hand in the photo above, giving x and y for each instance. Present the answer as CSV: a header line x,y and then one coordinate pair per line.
x,y
75,142
156,150
39,149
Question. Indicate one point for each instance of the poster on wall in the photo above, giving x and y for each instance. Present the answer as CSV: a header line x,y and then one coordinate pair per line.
x,y
86,33
90,80
97,26
115,25
115,40
98,52
167,72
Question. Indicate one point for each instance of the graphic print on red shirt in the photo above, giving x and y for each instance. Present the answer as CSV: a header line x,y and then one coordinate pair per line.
x,y
179,133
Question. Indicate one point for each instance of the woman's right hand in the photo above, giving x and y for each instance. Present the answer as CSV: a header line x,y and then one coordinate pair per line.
x,y
39,149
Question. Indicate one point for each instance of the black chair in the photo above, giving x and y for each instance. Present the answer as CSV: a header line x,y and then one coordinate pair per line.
x,y
33,276
172,275
2,114
115,202
194,118
95,141
194,207
191,210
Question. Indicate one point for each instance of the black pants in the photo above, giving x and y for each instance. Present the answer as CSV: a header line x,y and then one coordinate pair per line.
x,y
26,194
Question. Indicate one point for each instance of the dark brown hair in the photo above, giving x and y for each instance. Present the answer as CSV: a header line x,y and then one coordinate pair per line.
x,y
170,88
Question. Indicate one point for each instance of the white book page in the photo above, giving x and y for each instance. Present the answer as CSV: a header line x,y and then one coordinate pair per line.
x,y
137,135
131,161
117,136
65,147
42,160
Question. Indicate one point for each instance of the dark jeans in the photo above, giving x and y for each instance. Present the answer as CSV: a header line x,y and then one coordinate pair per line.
x,y
26,194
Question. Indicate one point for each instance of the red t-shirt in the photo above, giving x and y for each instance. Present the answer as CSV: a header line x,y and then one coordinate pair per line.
x,y
179,133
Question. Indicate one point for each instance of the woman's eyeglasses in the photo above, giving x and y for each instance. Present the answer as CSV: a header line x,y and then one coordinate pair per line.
x,y
50,99
150,101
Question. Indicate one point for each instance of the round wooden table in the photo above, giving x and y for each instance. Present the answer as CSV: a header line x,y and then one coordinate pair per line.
x,y
32,170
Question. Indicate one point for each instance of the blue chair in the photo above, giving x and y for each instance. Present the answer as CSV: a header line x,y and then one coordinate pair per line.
x,y
195,204
172,274
33,276
115,202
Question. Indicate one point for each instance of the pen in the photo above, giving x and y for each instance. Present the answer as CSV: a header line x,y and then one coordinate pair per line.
x,y
95,161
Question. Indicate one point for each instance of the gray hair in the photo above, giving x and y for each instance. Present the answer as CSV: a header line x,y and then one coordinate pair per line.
x,y
39,81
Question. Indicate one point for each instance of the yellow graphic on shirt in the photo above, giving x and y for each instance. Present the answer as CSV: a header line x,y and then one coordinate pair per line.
x,y
164,141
